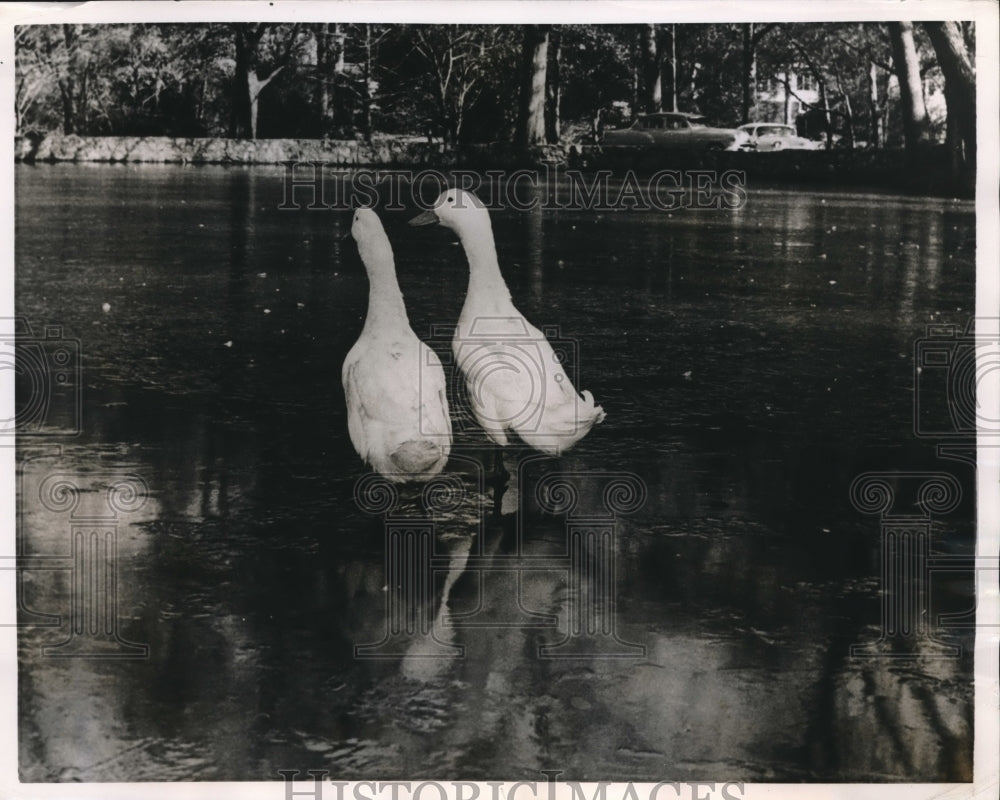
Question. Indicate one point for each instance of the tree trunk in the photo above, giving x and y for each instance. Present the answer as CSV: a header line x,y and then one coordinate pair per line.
x,y
673,67
849,120
67,82
340,36
874,107
458,119
241,114
68,113
911,93
749,75
254,87
200,92
366,98
651,70
953,141
634,62
534,66
338,48
552,87
323,98
81,100
247,82
824,99
959,88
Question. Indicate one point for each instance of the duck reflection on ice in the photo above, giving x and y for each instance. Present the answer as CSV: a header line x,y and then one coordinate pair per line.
x,y
552,565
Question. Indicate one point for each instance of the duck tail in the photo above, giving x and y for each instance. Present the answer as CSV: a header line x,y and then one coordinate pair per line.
x,y
564,426
597,414
419,456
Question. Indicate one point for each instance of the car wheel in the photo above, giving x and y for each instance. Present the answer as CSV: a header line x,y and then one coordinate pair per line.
x,y
777,145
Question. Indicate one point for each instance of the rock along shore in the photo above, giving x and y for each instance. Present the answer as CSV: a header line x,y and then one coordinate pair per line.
x,y
380,151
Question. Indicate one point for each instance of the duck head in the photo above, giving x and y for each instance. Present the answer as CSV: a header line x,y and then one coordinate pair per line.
x,y
455,209
373,244
365,225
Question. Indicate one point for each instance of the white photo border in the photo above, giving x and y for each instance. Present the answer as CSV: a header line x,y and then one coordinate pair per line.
x,y
986,783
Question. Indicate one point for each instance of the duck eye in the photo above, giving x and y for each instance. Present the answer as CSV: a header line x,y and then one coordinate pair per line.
x,y
451,199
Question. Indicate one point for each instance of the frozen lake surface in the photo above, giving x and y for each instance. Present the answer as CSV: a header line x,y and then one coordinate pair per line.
x,y
752,364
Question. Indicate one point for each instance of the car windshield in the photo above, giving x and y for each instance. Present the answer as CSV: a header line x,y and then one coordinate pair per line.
x,y
774,130
697,122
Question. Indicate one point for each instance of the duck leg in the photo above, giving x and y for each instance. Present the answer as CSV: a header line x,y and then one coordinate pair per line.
x,y
499,478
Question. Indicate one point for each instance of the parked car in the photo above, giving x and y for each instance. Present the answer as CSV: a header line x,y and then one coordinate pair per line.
x,y
768,136
675,130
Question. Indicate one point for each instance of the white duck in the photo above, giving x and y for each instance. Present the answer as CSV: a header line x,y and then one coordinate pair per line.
x,y
397,409
515,381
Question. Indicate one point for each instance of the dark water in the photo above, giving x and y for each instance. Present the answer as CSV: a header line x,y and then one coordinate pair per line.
x,y
752,364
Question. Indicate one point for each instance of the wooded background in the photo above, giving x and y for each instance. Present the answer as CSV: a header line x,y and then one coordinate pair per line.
x,y
872,83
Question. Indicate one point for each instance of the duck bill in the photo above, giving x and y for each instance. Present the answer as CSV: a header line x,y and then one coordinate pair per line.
x,y
427,218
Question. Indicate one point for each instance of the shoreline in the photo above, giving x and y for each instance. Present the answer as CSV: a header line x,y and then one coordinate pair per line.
x,y
927,172
396,151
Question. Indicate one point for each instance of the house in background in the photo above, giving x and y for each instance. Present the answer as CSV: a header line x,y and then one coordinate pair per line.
x,y
792,97
783,96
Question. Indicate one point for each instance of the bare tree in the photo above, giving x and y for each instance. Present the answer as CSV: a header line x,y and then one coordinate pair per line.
x,y
672,61
652,68
329,64
534,65
60,59
32,78
552,86
459,58
252,75
959,90
911,93
876,130
752,36
372,36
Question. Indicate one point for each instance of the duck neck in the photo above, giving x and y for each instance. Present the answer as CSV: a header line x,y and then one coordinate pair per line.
x,y
485,281
385,299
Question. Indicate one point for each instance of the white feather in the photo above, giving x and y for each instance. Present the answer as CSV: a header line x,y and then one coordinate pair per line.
x,y
514,379
394,385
